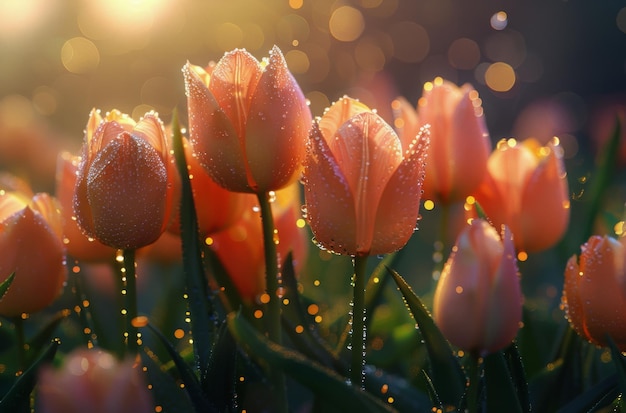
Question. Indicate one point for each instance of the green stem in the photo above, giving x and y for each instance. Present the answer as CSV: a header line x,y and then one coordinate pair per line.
x,y
272,310
473,374
130,300
18,322
358,322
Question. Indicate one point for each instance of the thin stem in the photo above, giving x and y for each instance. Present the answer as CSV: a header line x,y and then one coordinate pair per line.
x,y
473,373
18,322
358,322
129,296
272,311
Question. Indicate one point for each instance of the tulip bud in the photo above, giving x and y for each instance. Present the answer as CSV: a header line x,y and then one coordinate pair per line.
x,y
248,121
478,299
31,247
459,141
593,294
526,189
362,182
124,189
93,381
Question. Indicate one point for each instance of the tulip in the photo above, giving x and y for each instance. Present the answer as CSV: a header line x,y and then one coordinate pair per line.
x,y
362,182
240,247
593,294
78,245
124,190
93,381
31,247
459,140
526,189
478,299
248,121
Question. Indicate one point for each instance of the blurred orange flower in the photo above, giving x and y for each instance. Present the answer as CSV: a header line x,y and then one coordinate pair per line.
x,y
31,246
594,296
459,140
478,299
526,189
362,183
125,184
93,381
248,121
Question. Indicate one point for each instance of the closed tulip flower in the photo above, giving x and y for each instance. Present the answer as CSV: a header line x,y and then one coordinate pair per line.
x,y
93,381
124,190
526,189
593,294
362,183
31,247
459,140
478,300
248,121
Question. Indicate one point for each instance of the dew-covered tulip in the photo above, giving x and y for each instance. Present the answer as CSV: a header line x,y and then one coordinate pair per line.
x,y
594,296
93,381
248,121
478,300
124,189
78,245
240,247
362,183
526,189
31,247
459,140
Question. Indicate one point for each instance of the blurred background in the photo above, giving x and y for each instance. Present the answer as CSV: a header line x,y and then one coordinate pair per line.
x,y
542,67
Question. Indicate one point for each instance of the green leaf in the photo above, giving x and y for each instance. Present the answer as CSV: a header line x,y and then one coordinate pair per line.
x,y
192,385
219,384
446,373
322,381
599,395
200,307
620,366
4,285
165,389
17,400
44,335
499,386
518,376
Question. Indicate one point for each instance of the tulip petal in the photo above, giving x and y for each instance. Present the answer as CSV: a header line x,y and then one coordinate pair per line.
x,y
150,128
329,199
398,209
215,140
124,214
339,113
406,121
571,296
279,121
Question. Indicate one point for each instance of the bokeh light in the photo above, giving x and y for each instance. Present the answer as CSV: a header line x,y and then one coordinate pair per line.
x,y
346,24
500,77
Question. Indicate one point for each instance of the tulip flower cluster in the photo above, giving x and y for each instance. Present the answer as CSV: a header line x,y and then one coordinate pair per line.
x,y
240,229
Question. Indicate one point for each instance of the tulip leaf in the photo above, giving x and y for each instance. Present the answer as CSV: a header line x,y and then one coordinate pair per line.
x,y
4,285
200,307
620,366
322,381
597,396
518,376
45,334
499,385
166,391
17,399
220,383
192,385
446,373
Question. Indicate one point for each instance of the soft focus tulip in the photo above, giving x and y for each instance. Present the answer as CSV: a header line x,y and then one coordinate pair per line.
x,y
93,381
79,246
124,189
362,183
31,246
216,207
248,121
240,247
526,189
459,141
593,294
478,299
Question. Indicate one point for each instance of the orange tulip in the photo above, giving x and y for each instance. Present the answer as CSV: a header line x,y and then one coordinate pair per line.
x,y
216,207
526,189
478,299
240,247
93,381
124,189
593,294
78,245
362,182
31,246
459,140
248,121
